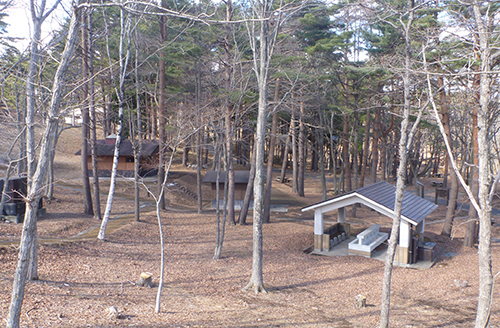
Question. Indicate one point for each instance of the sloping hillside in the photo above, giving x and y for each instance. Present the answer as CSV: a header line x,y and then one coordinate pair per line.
x,y
66,163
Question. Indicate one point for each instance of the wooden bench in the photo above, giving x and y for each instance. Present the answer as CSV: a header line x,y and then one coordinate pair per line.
x,y
442,193
438,184
367,241
335,235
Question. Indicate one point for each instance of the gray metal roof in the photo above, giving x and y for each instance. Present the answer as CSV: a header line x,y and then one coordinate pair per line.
x,y
239,177
382,195
149,147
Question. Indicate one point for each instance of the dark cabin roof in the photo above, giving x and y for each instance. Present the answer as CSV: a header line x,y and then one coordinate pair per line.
x,y
383,194
107,149
239,177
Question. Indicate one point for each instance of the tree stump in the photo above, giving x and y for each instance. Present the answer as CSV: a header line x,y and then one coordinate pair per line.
x,y
145,280
113,313
360,301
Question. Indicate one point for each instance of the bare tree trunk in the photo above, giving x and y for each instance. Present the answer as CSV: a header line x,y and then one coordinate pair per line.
x,y
249,192
261,61
106,106
302,155
322,162
20,125
30,87
137,143
50,177
112,185
38,15
93,127
230,168
383,152
185,152
161,106
154,120
124,33
36,187
295,161
217,203
366,150
471,233
199,140
485,261
375,153
87,196
220,227
345,155
160,230
228,113
404,144
257,280
270,158
355,157
284,164
333,154
162,257
198,173
452,204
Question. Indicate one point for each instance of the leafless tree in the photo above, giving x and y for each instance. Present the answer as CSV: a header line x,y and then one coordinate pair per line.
x,y
405,142
124,56
37,179
483,24
262,32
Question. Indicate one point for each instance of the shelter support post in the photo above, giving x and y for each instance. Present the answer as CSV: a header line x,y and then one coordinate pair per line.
x,y
318,230
420,230
341,213
403,249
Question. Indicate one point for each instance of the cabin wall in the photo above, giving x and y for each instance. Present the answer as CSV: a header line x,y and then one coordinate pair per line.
x,y
125,165
239,191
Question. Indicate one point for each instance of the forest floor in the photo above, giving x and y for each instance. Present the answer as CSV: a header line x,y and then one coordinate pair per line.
x,y
80,278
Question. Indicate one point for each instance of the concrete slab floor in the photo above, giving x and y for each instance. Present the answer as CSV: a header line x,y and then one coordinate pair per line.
x,y
378,254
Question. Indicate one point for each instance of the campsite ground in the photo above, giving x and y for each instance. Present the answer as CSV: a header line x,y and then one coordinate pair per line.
x,y
80,278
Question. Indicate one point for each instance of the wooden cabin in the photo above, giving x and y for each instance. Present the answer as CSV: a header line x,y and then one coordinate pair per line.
x,y
105,153
240,186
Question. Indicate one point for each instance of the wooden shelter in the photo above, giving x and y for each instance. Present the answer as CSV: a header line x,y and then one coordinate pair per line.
x,y
105,152
380,197
15,205
240,185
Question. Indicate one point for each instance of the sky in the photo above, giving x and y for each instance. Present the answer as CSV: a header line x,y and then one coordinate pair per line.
x,y
20,23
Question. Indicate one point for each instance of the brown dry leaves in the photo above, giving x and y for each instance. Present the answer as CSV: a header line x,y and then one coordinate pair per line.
x,y
79,282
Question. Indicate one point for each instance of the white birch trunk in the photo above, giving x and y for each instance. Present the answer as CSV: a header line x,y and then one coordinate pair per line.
x,y
36,187
124,33
404,143
160,228
162,256
112,183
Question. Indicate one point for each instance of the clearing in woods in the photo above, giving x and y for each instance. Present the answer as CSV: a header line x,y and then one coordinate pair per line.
x,y
81,278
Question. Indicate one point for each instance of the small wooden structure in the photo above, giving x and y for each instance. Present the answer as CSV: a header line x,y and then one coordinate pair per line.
x,y
240,185
15,206
105,152
380,197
